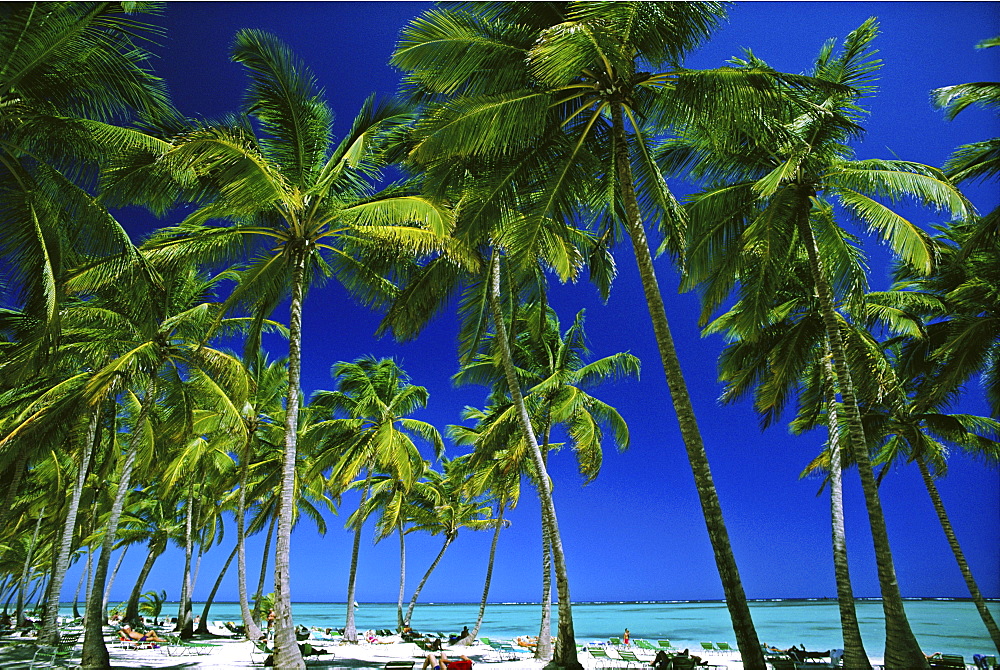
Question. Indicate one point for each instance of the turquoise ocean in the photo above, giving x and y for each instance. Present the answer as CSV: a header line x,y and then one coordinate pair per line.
x,y
947,626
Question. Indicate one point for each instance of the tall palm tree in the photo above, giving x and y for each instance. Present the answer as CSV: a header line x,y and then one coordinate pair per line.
x,y
375,435
306,208
563,92
764,197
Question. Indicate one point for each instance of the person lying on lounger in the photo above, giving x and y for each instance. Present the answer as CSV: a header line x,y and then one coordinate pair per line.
x,y
148,636
442,663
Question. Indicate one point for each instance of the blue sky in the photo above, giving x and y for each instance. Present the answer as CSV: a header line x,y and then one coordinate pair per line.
x,y
636,533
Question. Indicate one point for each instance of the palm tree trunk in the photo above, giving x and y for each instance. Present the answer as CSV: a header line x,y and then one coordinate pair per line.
x,y
350,631
565,652
79,586
23,583
184,623
18,468
95,653
286,649
263,568
111,581
543,650
249,625
736,601
50,620
501,506
203,622
156,548
402,576
854,648
956,548
416,594
901,648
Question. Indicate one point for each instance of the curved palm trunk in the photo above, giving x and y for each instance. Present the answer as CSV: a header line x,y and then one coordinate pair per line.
x,y
79,587
19,467
156,548
956,548
50,620
265,557
95,653
402,576
854,648
350,630
437,559
501,506
736,601
184,624
249,625
111,581
565,651
203,622
543,650
23,583
901,648
286,649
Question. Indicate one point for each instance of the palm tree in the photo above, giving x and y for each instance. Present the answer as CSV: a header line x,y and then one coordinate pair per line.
x,y
548,96
976,161
309,208
789,355
64,68
499,477
763,199
551,365
375,436
442,506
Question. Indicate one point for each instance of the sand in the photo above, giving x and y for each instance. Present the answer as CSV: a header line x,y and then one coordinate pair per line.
x,y
229,654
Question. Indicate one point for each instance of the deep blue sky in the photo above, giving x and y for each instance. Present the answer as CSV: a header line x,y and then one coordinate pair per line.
x,y
636,533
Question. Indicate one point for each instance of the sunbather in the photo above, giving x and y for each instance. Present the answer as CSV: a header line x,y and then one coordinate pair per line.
x,y
442,663
148,636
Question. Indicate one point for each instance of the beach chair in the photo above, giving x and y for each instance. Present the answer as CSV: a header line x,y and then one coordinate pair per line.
x,y
664,644
48,656
600,656
723,646
646,645
398,665
629,657
983,662
946,662
708,647
615,641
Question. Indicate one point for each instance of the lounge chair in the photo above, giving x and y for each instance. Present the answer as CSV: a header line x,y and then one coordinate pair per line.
x,y
398,665
647,645
629,657
664,644
723,646
708,646
48,656
946,662
600,656
615,641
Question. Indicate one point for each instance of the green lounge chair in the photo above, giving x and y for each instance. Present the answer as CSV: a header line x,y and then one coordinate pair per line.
x,y
708,646
398,665
947,662
600,656
647,645
629,657
664,644
615,641
723,646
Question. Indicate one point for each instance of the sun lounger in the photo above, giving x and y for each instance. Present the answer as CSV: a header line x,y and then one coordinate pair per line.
x,y
723,646
646,645
629,657
708,646
664,644
946,662
48,656
600,656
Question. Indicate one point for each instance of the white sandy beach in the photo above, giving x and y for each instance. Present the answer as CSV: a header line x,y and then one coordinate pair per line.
x,y
230,654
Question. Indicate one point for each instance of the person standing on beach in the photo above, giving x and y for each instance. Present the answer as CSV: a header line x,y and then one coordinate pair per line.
x,y
625,637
